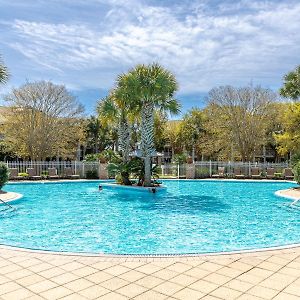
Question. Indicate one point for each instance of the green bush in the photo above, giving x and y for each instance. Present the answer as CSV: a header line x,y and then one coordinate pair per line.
x,y
91,174
91,157
4,174
179,158
296,171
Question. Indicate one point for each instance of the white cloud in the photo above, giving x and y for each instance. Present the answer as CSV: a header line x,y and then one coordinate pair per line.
x,y
204,48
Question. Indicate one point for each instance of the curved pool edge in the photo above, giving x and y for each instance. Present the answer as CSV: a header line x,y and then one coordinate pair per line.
x,y
280,193
291,194
150,256
10,197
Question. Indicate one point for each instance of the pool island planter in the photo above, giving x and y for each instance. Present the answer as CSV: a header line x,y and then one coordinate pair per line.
x,y
151,189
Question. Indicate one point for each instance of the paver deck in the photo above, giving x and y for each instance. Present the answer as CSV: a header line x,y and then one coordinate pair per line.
x,y
273,274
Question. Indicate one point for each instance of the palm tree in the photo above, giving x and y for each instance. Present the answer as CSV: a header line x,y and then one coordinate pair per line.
x,y
115,108
3,73
149,87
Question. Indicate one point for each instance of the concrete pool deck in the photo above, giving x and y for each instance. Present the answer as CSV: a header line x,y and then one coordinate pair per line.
x,y
293,193
272,274
9,196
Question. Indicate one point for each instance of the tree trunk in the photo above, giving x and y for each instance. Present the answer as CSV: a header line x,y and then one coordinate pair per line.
x,y
193,153
147,138
124,138
125,178
147,181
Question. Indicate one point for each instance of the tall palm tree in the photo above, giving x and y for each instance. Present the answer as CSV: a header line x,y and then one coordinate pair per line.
x,y
149,87
3,73
115,108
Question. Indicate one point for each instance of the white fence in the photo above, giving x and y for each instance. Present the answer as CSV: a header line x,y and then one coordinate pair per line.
x,y
206,169
41,167
203,169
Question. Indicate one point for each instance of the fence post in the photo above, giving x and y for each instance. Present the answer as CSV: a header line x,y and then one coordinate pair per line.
x,y
178,171
162,171
210,170
249,169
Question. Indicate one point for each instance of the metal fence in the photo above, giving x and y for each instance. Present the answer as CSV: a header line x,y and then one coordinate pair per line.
x,y
41,167
206,169
203,169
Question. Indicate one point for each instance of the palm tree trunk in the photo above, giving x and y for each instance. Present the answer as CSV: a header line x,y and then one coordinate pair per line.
x,y
147,181
124,138
147,138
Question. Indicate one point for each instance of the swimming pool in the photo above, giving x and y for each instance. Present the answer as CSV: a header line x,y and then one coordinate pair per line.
x,y
190,217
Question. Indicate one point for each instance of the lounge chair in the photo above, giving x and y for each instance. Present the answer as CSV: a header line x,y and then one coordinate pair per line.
x,y
69,174
14,174
255,173
221,173
271,173
52,173
288,174
32,174
238,173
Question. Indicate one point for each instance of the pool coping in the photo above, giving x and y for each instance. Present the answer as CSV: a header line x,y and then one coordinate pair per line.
x,y
151,256
167,179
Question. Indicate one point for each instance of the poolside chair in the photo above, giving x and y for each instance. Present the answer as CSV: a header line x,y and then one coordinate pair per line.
x,y
288,174
52,173
69,174
32,174
221,173
255,173
271,173
14,174
238,173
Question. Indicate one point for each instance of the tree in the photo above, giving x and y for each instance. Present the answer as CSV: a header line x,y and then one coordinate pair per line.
x,y
245,114
291,86
160,121
3,73
191,129
43,121
288,140
216,142
172,136
116,108
4,174
97,135
149,87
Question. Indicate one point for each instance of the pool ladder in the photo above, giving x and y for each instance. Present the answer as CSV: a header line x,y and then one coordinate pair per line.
x,y
8,205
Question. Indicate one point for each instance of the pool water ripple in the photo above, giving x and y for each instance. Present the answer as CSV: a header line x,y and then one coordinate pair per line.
x,y
190,217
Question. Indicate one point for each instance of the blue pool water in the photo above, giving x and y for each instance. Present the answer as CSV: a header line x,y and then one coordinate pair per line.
x,y
190,217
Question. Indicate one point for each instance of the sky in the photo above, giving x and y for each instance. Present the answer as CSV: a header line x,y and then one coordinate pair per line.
x,y
85,44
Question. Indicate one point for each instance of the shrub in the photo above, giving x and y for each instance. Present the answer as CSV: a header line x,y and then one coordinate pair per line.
x,y
91,157
109,156
91,174
4,174
179,158
296,171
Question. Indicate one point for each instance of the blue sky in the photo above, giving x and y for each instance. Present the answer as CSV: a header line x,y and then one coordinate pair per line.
x,y
84,44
